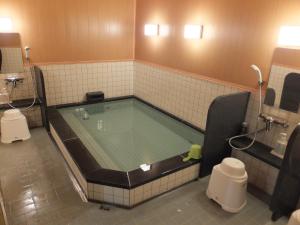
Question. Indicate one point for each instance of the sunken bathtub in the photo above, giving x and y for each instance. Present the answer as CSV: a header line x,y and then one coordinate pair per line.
x,y
124,151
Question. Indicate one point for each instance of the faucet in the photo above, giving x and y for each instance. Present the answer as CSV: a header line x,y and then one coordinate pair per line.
x,y
270,121
14,79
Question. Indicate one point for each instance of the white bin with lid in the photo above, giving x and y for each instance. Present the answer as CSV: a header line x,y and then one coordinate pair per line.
x,y
228,185
295,218
14,127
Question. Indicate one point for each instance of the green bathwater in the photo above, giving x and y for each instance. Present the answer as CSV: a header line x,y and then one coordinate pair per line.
x,y
122,135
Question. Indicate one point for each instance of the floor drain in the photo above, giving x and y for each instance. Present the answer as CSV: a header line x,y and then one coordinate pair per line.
x,y
104,207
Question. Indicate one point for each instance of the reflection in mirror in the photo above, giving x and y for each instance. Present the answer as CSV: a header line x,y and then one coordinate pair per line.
x,y
12,71
290,98
284,83
11,60
270,96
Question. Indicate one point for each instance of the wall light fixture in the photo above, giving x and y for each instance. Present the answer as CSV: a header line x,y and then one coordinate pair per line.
x,y
5,25
151,30
164,30
193,31
289,36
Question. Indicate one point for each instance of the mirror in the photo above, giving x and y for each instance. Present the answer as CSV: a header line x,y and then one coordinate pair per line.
x,y
11,60
284,83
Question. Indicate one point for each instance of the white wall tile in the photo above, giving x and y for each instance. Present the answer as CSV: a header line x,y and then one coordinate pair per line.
x,y
70,83
108,198
175,92
98,188
260,174
12,60
108,190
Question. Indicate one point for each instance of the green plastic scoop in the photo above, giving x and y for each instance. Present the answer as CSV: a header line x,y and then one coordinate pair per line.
x,y
194,153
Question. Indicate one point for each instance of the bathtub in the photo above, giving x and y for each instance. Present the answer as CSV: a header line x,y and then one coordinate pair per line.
x,y
124,151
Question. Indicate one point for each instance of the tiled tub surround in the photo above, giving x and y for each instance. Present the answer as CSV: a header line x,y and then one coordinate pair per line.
x,y
126,197
68,83
140,194
177,92
126,189
189,97
180,93
183,94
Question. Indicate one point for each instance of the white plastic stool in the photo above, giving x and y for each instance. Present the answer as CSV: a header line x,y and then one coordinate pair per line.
x,y
14,127
295,218
228,185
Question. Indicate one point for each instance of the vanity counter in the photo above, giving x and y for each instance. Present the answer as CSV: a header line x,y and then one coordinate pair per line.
x,y
259,151
22,103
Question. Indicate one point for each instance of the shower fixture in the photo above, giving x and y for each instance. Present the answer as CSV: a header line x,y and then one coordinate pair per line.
x,y
259,74
268,124
268,120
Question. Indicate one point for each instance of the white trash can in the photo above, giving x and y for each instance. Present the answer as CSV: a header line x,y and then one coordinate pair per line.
x,y
228,185
295,218
14,127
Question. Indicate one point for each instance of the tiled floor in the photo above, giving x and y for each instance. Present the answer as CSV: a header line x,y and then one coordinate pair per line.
x,y
37,190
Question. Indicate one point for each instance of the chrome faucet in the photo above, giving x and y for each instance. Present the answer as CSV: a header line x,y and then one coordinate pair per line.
x,y
270,121
14,79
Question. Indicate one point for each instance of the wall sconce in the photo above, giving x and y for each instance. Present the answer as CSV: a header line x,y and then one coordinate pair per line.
x,y
289,36
5,24
151,30
193,31
164,30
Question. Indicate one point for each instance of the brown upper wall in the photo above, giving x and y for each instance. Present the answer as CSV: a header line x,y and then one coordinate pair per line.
x,y
74,30
237,34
